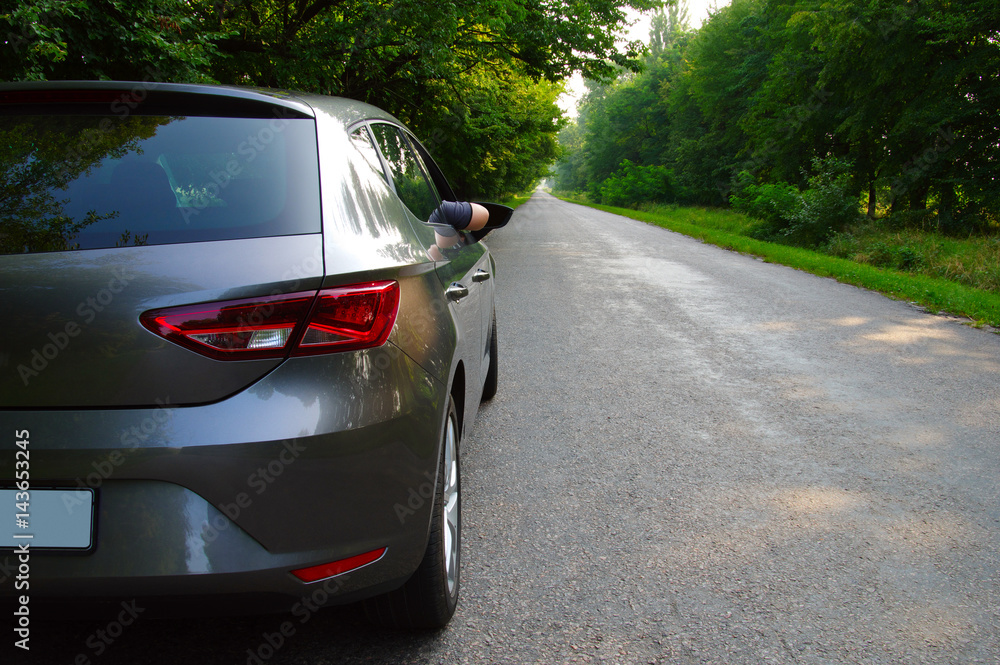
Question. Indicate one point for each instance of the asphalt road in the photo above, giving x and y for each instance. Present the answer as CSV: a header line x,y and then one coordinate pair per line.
x,y
694,457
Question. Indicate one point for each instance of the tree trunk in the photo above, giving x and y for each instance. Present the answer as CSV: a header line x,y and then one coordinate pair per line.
x,y
918,196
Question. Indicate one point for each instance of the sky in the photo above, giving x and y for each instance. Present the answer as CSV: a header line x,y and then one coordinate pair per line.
x,y
697,12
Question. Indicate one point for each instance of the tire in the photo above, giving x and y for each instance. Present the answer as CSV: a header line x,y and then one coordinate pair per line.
x,y
493,373
429,597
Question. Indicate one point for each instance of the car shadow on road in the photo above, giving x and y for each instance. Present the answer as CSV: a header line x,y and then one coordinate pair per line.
x,y
338,635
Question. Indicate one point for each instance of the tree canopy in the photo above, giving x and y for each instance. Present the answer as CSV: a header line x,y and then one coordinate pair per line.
x,y
463,71
892,103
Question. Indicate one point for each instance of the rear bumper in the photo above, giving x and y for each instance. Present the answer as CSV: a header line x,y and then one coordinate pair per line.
x,y
224,500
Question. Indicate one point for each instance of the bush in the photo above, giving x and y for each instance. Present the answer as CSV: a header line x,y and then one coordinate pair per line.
x,y
773,203
631,185
828,206
900,257
809,218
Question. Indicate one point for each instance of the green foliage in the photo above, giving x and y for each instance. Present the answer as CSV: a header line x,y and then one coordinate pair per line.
x,y
901,257
972,261
131,40
570,172
829,205
633,184
480,78
378,50
626,121
625,125
724,64
776,204
500,139
906,91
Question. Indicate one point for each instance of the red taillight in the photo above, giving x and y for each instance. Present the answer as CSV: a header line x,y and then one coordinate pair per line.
x,y
305,323
323,571
351,317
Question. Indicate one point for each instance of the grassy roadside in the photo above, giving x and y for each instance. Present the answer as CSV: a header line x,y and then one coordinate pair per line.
x,y
722,228
515,201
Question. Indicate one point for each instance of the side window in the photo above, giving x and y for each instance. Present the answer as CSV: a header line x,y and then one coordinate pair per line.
x,y
362,140
412,186
433,171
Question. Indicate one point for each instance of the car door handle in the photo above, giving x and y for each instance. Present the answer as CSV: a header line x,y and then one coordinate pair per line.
x,y
480,276
456,292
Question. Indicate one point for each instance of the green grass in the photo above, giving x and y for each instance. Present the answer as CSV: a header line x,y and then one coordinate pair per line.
x,y
971,261
516,200
942,293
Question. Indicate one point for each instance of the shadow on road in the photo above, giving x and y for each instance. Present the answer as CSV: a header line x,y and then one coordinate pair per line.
x,y
334,635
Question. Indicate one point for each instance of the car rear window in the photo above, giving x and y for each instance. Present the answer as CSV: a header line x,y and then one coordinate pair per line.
x,y
86,181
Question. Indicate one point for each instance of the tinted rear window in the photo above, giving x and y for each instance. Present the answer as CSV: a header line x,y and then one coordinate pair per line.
x,y
82,182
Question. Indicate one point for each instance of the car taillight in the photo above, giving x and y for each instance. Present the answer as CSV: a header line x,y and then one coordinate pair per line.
x,y
345,318
350,317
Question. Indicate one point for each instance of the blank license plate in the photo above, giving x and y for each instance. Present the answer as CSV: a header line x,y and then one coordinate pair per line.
x,y
56,519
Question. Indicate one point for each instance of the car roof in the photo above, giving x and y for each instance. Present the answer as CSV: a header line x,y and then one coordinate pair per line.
x,y
348,111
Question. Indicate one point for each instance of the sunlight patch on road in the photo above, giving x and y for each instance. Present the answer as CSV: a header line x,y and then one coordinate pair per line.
x,y
921,436
817,500
780,326
914,332
848,321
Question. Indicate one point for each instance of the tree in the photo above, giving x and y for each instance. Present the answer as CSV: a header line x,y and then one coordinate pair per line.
x,y
919,83
132,40
374,49
666,25
625,123
489,65
473,70
725,63
570,171
497,136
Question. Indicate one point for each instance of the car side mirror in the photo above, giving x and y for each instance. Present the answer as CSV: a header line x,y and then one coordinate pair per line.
x,y
499,216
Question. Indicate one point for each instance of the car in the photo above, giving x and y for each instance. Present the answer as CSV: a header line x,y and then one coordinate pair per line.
x,y
240,352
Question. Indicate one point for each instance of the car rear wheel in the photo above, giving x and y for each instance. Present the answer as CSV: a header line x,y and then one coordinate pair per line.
x,y
429,597
493,373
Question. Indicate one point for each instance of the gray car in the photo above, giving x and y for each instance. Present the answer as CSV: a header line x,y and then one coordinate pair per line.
x,y
238,352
